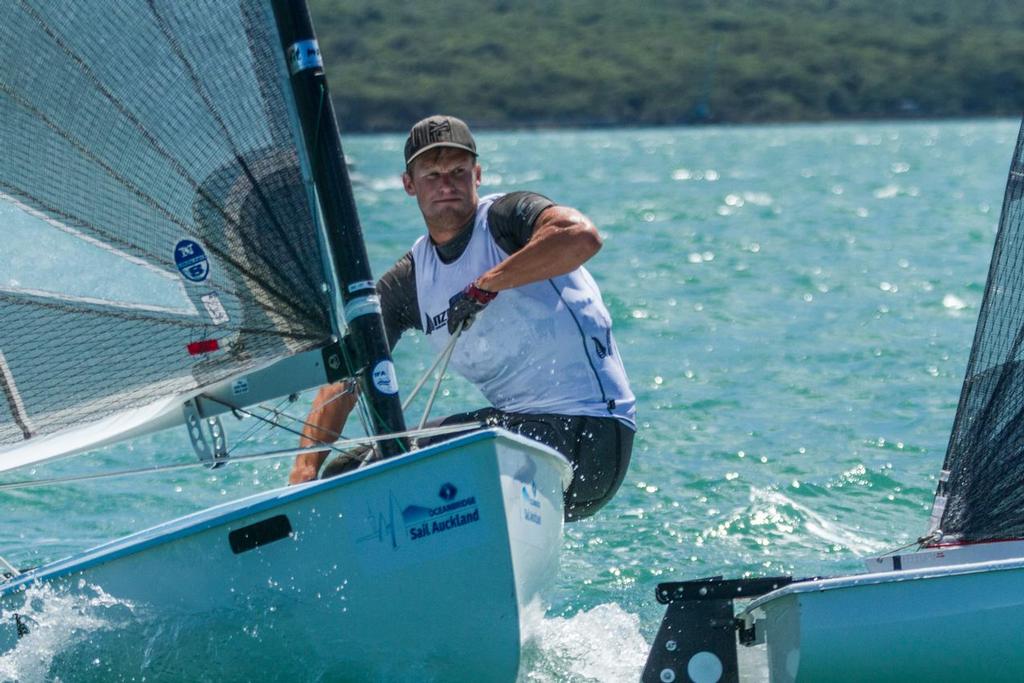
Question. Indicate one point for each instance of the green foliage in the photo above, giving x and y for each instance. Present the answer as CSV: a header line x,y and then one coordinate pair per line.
x,y
500,63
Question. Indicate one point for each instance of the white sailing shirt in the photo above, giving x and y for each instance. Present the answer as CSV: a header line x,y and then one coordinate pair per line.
x,y
545,347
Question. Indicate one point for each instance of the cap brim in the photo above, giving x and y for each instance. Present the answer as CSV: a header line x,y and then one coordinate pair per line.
x,y
453,145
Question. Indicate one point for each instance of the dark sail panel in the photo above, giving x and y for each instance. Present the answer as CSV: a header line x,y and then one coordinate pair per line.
x,y
984,494
157,221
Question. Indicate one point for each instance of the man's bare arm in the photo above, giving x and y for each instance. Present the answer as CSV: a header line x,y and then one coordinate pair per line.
x,y
563,240
331,408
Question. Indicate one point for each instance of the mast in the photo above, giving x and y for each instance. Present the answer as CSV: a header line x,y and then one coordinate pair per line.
x,y
370,356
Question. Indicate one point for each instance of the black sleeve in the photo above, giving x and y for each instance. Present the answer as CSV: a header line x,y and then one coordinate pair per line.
x,y
512,217
398,302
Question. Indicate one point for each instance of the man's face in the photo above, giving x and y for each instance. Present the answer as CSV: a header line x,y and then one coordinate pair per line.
x,y
445,186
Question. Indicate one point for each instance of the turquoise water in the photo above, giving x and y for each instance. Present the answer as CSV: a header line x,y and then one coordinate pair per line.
x,y
794,305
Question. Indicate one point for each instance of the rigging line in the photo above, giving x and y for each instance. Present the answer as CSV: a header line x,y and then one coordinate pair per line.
x,y
183,322
919,543
365,408
364,413
150,201
9,568
445,357
437,385
254,428
371,411
342,446
320,444
197,83
364,456
277,412
247,435
423,380
360,401
349,389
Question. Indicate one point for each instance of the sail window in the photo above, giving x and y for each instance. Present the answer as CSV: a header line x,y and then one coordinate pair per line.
x,y
47,258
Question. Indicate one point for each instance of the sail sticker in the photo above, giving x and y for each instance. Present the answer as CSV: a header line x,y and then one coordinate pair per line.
x,y
215,308
362,284
364,305
205,346
303,55
240,386
452,512
191,261
384,377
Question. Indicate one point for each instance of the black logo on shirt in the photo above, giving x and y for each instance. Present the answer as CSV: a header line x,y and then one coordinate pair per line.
x,y
605,349
432,322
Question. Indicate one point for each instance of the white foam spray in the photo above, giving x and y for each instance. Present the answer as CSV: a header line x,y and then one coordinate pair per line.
x,y
600,645
56,620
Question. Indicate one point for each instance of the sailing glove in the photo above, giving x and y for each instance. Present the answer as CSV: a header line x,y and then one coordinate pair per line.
x,y
464,306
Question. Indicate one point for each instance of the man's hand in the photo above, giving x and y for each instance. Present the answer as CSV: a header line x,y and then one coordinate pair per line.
x,y
463,307
302,471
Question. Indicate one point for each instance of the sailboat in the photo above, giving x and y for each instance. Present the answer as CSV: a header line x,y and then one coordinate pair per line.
x,y
181,242
945,612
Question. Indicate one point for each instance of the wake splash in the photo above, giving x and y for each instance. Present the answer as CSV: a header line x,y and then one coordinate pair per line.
x,y
58,621
600,645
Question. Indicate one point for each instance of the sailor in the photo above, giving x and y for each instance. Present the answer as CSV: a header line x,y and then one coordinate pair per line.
x,y
536,337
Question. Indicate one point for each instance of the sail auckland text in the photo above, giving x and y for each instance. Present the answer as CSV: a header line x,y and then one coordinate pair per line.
x,y
446,517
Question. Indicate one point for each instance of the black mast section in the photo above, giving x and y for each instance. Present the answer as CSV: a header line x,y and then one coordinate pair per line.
x,y
370,358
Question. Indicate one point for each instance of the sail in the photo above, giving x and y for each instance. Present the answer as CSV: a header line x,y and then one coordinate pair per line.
x,y
982,495
155,208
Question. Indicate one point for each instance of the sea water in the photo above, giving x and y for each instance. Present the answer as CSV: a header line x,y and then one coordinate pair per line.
x,y
794,306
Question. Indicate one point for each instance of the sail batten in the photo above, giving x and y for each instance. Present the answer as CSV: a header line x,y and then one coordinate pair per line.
x,y
161,137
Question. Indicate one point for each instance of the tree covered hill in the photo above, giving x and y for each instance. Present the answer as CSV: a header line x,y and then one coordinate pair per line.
x,y
500,63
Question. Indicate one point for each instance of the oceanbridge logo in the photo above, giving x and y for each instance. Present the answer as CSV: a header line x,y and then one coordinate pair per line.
x,y
452,512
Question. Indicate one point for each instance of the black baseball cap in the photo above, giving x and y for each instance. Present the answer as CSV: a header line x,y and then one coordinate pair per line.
x,y
438,131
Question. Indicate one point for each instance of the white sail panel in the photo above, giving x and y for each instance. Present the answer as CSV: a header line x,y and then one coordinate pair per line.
x,y
162,413
283,377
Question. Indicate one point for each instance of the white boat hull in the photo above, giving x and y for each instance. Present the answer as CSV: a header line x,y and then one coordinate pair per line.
x,y
952,623
416,568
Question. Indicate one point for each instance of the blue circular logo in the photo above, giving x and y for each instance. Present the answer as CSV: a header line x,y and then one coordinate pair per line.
x,y
447,491
191,261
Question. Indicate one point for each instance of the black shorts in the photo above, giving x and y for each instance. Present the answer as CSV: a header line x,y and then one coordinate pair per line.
x,y
598,448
